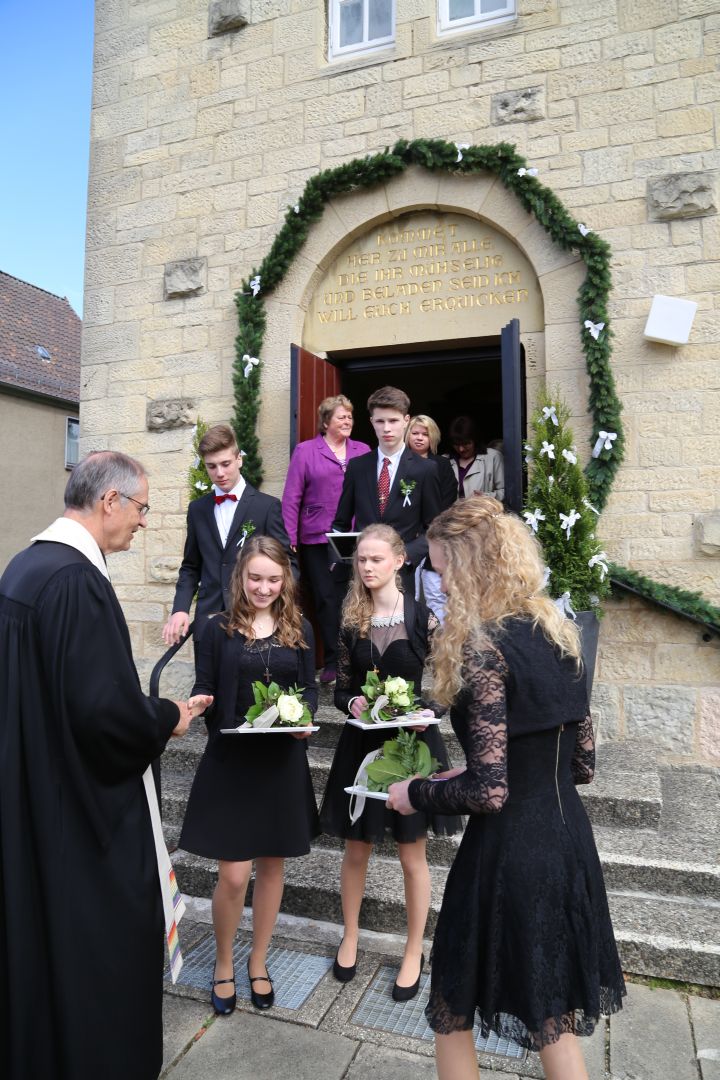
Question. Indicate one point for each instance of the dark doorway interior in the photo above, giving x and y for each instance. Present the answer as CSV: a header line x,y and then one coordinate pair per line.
x,y
442,384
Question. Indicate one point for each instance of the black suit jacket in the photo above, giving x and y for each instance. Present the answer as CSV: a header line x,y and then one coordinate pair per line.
x,y
359,500
448,480
209,565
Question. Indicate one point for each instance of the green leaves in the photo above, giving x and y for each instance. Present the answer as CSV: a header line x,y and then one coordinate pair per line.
x,y
402,758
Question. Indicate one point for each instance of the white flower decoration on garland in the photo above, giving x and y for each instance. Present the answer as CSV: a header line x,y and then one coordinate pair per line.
x,y
534,519
600,560
568,520
549,413
570,455
255,284
460,147
605,441
250,362
563,602
583,230
549,449
594,329
527,172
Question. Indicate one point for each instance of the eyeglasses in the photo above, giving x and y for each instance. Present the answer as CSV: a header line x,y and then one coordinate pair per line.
x,y
142,507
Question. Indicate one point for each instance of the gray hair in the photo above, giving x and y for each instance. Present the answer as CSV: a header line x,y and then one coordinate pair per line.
x,y
101,471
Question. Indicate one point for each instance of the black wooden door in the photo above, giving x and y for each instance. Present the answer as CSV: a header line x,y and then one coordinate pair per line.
x,y
513,400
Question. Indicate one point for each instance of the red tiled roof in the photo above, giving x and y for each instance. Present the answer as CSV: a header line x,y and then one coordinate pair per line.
x,y
31,317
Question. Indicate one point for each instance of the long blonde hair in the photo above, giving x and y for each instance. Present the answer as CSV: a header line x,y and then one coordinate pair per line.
x,y
358,607
493,572
287,614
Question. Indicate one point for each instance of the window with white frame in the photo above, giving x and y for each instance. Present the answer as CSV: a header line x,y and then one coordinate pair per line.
x,y
360,26
72,435
461,14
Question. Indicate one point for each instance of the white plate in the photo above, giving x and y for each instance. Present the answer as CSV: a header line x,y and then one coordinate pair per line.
x,y
266,730
398,722
368,794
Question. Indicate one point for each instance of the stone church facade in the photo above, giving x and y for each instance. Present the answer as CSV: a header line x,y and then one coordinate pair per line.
x,y
209,118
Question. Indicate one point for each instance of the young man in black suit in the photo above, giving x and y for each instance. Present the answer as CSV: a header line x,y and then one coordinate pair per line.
x,y
392,484
217,526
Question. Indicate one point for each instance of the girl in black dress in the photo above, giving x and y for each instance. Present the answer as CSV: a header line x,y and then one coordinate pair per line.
x,y
252,797
384,629
524,942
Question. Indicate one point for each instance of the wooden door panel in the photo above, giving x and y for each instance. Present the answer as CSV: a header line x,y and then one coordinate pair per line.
x,y
311,380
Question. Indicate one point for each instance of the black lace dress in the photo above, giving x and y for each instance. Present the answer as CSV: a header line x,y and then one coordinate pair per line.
x,y
524,939
252,795
394,654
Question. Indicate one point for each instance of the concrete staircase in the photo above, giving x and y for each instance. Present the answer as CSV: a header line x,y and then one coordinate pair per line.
x,y
657,830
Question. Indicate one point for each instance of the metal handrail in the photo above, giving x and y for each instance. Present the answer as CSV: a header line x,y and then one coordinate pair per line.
x,y
165,660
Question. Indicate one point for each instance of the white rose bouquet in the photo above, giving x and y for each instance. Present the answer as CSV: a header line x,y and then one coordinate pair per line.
x,y
275,707
387,698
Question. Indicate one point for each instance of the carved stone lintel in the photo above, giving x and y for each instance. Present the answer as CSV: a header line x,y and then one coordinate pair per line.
x,y
168,413
681,195
186,277
517,106
707,533
227,15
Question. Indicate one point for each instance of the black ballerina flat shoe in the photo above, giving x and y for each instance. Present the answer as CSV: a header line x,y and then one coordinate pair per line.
x,y
407,993
223,1006
343,974
261,1001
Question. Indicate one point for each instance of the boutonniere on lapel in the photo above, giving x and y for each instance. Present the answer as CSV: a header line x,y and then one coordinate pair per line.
x,y
247,530
407,487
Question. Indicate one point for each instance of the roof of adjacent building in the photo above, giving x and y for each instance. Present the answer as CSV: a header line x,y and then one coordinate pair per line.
x,y
39,341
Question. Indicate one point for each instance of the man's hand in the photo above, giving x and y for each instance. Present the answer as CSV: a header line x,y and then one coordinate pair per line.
x,y
184,722
176,627
190,709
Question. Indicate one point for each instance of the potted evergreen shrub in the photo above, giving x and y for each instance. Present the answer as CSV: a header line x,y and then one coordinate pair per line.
x,y
558,511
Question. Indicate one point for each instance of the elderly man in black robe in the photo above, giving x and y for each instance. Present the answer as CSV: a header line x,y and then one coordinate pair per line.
x,y
82,902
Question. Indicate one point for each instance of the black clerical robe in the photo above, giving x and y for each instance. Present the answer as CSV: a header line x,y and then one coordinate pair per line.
x,y
81,922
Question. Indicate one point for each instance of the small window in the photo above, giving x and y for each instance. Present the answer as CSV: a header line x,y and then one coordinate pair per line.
x,y
360,26
72,436
462,14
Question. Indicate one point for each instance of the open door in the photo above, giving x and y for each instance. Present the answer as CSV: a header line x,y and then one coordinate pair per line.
x,y
311,380
512,402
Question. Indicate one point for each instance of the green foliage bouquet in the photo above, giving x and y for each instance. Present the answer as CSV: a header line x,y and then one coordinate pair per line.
x,y
275,707
387,698
401,758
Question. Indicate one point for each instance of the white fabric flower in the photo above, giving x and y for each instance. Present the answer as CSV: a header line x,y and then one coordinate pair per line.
x,y
289,708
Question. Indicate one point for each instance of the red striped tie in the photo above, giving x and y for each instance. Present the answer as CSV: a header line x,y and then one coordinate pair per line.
x,y
384,485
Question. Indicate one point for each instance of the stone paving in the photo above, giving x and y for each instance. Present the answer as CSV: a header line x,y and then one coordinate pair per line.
x,y
661,1034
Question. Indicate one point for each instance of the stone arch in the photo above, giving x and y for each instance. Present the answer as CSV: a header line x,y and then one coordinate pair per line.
x,y
558,350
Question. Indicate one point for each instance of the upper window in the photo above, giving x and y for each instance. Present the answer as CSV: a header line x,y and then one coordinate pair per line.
x,y
458,14
72,435
360,25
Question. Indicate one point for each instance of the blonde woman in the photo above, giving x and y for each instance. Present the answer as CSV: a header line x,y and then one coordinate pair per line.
x,y
524,942
252,796
385,630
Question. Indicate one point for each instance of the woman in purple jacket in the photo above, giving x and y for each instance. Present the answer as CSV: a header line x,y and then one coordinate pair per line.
x,y
312,492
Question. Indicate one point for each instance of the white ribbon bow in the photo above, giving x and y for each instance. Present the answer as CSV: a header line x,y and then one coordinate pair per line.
x,y
551,480
265,719
243,538
406,500
534,519
594,329
589,505
600,560
527,172
528,451
583,230
563,602
380,703
605,441
357,802
568,520
200,485
255,284
550,414
250,362
547,574
460,147
570,456
548,448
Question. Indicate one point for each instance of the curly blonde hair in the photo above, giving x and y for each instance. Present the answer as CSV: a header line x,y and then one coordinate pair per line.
x,y
358,606
494,571
287,614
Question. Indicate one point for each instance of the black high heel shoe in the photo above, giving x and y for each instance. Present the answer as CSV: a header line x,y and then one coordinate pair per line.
x,y
261,1001
344,974
407,993
222,1006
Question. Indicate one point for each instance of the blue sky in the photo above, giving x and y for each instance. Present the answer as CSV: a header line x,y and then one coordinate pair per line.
x,y
45,90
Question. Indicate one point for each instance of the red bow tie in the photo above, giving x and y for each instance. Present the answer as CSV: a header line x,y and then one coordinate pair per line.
x,y
221,498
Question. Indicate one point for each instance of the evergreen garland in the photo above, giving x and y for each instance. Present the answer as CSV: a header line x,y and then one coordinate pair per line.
x,y
691,604
557,492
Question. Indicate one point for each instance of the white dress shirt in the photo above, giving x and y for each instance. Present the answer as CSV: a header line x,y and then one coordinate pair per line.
x,y
225,511
394,463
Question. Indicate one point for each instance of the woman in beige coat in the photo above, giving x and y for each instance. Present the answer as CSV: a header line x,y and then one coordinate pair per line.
x,y
477,468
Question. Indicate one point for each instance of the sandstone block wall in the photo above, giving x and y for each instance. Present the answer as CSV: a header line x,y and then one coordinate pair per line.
x,y
199,143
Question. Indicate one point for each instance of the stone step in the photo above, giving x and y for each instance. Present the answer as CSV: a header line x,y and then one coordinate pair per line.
x,y
676,938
